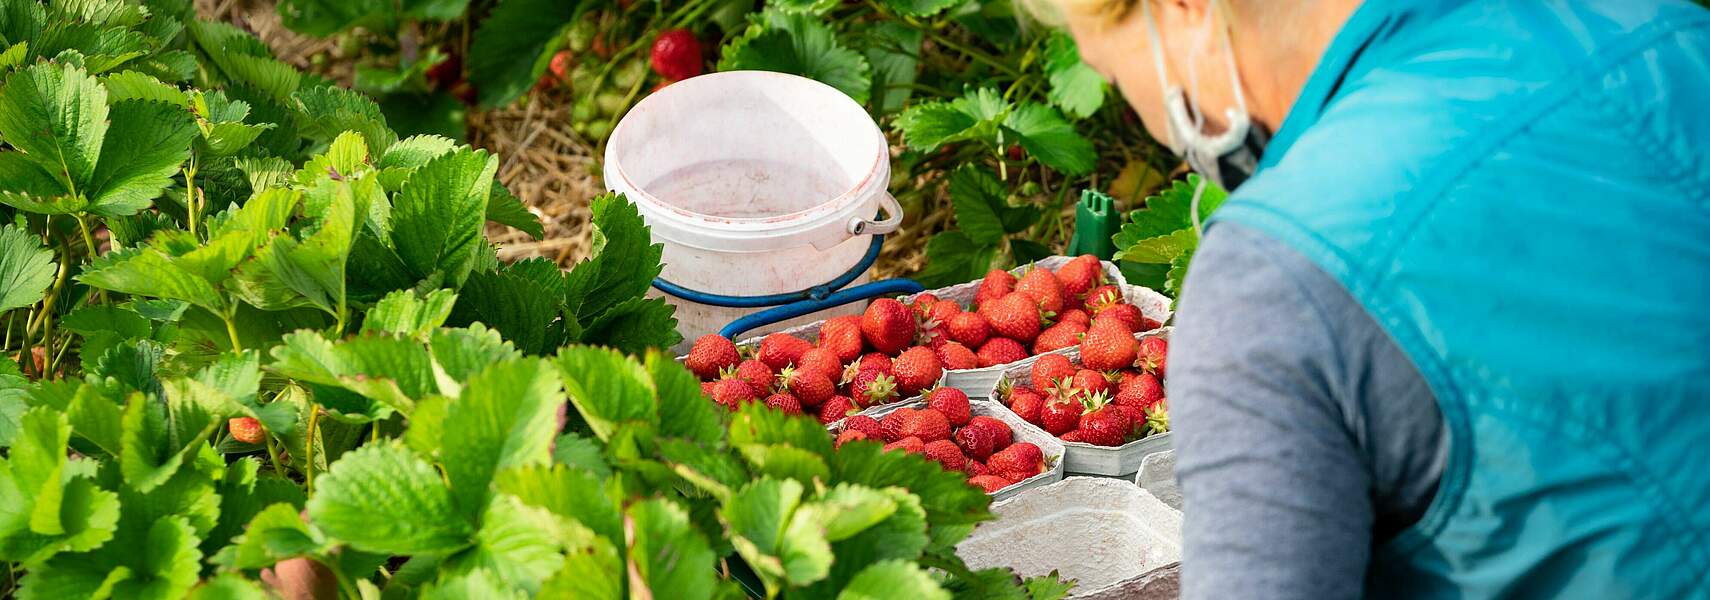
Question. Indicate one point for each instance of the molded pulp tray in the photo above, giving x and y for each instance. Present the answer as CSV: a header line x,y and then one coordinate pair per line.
x,y
1158,475
1020,431
976,382
1114,538
1084,458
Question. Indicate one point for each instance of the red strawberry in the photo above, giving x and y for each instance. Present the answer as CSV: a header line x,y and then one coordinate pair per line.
x,y
756,373
890,427
916,369
1049,369
1091,382
952,403
246,430
1073,436
842,335
811,388
1081,275
706,388
1102,297
888,326
943,311
997,284
1142,390
823,361
733,392
1075,315
560,65
1128,314
1103,424
864,424
995,426
780,350
907,444
974,468
1107,347
849,435
923,302
1153,351
1021,460
990,483
1015,316
928,425
836,408
1057,337
876,361
945,452
1158,417
1044,288
998,351
676,55
1060,415
1027,404
956,357
784,402
872,388
969,328
977,442
711,353
1148,324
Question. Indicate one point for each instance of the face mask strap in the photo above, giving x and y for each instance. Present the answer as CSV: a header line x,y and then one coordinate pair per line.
x,y
1186,122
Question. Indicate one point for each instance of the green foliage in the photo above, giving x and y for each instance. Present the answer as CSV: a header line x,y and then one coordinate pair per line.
x,y
799,44
1157,241
984,217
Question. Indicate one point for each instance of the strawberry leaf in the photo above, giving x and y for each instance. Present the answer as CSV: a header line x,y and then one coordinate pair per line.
x,y
26,268
899,533
517,542
460,353
1167,212
505,208
975,115
607,388
1042,131
420,516
688,413
893,579
329,111
623,264
783,549
273,535
635,325
1075,87
591,570
921,8
800,44
952,257
567,492
503,418
893,49
438,215
500,63
57,115
147,141
1160,249
1178,273
523,308
668,557
43,508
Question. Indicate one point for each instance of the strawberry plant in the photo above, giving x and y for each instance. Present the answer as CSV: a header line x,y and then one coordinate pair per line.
x,y
1158,239
258,343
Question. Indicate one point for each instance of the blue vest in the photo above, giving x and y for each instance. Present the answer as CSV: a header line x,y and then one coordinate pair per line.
x,y
1519,193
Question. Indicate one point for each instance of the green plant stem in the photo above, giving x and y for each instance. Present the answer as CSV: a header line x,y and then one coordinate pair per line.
x,y
190,193
231,330
88,240
975,55
273,455
53,364
700,6
309,448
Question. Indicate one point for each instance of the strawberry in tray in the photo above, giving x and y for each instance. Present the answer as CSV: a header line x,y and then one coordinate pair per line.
x,y
944,429
897,348
1111,395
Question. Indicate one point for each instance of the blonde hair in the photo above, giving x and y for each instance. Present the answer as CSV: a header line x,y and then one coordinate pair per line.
x,y
1050,12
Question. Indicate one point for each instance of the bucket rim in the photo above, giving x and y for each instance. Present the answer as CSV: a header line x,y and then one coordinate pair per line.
x,y
877,171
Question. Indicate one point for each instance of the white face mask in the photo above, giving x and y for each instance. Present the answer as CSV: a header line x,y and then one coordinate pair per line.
x,y
1228,158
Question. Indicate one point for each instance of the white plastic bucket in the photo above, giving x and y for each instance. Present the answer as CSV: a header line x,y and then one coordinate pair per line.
x,y
755,183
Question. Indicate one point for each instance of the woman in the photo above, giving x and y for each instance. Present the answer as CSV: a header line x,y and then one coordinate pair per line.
x,y
1450,335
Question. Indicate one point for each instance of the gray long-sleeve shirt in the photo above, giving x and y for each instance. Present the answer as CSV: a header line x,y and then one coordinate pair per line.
x,y
1305,436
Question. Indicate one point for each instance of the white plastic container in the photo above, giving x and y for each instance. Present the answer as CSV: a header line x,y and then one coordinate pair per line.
x,y
1113,538
1087,459
755,183
1019,430
978,383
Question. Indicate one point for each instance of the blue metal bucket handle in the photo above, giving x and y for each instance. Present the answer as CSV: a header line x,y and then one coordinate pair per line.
x,y
819,291
812,305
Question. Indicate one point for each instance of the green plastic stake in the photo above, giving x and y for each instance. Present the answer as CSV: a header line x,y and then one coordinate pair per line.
x,y
1096,221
